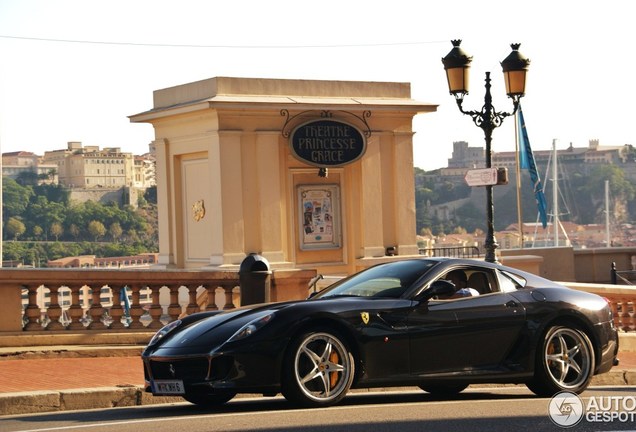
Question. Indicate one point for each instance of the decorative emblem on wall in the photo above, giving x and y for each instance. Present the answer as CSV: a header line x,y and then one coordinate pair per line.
x,y
198,210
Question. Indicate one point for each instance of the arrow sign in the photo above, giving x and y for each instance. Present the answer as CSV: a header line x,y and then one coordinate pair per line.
x,y
481,177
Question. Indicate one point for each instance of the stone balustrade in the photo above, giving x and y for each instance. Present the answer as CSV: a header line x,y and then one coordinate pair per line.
x,y
622,300
86,301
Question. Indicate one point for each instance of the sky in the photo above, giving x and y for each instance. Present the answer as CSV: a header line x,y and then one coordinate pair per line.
x,y
74,70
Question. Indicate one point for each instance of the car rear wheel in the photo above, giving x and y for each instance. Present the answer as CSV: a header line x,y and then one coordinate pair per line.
x,y
565,362
209,400
318,369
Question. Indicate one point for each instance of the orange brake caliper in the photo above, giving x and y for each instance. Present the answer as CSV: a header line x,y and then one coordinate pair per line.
x,y
333,376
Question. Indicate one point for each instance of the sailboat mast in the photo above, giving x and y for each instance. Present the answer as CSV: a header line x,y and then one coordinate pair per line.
x,y
607,215
555,194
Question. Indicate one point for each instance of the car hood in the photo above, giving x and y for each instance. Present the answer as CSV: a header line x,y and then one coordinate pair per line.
x,y
211,332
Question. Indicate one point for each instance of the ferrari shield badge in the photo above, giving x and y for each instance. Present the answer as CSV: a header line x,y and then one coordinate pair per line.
x,y
365,317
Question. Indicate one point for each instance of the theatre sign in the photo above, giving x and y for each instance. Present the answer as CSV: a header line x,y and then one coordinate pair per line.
x,y
327,143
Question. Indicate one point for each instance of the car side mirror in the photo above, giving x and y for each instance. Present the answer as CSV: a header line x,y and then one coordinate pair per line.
x,y
441,288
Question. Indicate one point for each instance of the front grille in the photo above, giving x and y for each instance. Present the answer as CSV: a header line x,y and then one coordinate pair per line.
x,y
195,369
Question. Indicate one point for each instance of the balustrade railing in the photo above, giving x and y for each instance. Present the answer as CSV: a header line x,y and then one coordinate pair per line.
x,y
117,300
623,309
622,301
452,251
79,300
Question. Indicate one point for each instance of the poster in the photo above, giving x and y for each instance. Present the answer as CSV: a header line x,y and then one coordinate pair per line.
x,y
319,207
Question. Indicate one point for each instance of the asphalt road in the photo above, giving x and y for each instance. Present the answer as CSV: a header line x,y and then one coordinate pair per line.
x,y
484,409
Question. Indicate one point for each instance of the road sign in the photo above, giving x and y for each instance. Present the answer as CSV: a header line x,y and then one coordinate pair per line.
x,y
481,177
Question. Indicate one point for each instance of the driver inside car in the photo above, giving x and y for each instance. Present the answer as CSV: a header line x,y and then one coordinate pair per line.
x,y
459,279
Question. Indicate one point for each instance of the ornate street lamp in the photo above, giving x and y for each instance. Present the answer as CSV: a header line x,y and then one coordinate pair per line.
x,y
515,66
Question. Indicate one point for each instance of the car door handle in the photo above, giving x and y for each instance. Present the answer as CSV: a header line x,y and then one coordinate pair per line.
x,y
512,304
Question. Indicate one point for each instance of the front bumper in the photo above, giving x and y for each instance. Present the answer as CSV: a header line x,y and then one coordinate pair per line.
x,y
608,338
244,370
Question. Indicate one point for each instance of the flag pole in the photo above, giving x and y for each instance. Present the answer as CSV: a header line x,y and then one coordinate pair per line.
x,y
518,168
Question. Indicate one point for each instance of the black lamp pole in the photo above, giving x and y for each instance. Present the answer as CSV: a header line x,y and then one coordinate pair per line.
x,y
515,66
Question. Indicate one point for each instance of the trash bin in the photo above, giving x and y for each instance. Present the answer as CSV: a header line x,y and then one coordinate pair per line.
x,y
255,280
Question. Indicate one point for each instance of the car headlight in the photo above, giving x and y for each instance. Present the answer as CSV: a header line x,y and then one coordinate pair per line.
x,y
251,327
164,331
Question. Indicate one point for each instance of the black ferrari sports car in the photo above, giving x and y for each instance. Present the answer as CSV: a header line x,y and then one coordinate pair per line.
x,y
395,324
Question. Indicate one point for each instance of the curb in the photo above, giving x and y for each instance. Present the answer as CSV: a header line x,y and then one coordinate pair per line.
x,y
127,396
78,399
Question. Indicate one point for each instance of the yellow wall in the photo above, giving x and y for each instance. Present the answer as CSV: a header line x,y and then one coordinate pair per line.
x,y
222,145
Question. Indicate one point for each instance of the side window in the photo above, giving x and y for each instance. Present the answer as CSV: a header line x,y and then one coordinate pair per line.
x,y
509,282
471,281
481,280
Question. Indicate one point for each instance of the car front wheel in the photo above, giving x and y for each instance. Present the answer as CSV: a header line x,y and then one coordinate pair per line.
x,y
318,369
565,362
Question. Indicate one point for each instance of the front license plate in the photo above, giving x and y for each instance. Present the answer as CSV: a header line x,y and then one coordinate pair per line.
x,y
168,387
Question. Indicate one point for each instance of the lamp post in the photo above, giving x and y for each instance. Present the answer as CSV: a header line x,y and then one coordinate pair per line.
x,y
515,66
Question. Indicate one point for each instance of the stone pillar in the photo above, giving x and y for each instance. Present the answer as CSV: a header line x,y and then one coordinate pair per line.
x,y
404,189
371,200
166,215
229,239
270,196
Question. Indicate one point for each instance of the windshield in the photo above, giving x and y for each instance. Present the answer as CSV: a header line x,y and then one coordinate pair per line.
x,y
384,280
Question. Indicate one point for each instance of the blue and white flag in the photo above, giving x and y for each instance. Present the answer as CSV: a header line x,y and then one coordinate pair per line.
x,y
526,161
123,297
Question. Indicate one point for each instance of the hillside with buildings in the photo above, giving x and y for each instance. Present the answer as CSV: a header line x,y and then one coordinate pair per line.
x,y
90,173
449,211
79,201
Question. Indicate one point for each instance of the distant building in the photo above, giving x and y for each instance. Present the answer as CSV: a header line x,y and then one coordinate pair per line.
x,y
467,157
14,163
144,171
590,156
90,261
463,159
570,234
89,167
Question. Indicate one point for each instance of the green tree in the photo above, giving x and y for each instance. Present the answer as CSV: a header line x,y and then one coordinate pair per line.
x,y
15,251
14,227
45,213
27,178
115,231
151,195
15,198
53,193
74,230
96,229
57,230
37,231
426,232
589,193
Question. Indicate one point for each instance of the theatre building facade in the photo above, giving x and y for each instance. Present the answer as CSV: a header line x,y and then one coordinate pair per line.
x,y
307,174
